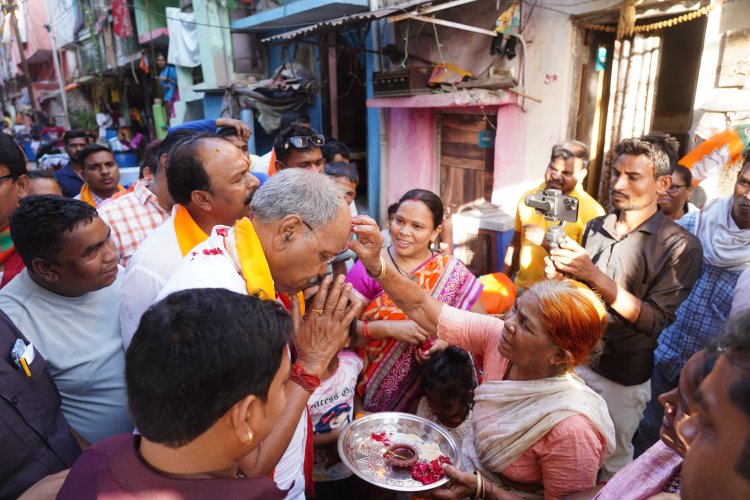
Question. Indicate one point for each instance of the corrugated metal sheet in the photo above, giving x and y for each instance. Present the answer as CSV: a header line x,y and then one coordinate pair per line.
x,y
331,24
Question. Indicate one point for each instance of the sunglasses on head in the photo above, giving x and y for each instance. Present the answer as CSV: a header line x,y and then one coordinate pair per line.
x,y
305,141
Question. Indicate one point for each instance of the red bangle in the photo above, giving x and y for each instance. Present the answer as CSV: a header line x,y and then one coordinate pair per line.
x,y
366,330
303,379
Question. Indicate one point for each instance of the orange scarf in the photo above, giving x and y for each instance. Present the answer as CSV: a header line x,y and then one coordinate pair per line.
x,y
272,163
189,234
254,265
88,197
253,261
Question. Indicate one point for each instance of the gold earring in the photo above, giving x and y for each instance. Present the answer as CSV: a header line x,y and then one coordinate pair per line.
x,y
249,437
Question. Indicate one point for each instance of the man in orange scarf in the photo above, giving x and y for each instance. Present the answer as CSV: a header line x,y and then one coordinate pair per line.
x,y
14,184
300,222
208,179
101,173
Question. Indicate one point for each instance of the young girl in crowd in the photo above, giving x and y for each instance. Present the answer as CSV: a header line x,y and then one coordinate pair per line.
x,y
332,407
448,383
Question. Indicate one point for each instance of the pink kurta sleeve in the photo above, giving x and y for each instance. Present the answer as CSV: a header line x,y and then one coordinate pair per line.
x,y
477,333
570,456
365,288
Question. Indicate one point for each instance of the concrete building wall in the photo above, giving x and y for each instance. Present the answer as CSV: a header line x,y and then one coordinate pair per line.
x,y
525,133
553,60
538,126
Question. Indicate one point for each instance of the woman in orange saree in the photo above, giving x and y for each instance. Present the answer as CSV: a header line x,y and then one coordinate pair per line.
x,y
391,377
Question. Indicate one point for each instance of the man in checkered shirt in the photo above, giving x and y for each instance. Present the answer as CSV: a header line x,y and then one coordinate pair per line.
x,y
134,215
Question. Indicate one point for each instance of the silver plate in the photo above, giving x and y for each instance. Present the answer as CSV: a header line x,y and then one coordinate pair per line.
x,y
364,456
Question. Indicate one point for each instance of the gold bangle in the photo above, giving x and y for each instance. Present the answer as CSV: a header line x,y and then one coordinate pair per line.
x,y
480,485
382,270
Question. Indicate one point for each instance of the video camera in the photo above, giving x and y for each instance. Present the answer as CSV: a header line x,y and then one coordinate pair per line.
x,y
555,207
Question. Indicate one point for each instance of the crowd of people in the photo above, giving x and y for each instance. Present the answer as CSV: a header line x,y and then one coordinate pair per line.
x,y
212,328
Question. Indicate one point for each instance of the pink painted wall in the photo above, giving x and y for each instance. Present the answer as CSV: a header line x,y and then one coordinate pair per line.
x,y
410,157
509,154
37,37
31,19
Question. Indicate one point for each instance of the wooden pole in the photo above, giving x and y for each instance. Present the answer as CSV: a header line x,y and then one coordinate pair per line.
x,y
451,24
11,8
428,10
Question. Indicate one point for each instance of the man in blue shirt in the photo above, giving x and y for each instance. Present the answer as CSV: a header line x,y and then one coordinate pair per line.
x,y
723,228
69,176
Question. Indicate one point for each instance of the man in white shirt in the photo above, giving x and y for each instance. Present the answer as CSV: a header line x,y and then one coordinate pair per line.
x,y
208,179
65,304
300,223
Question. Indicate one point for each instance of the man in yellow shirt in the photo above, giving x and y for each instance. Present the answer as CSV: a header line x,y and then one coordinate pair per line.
x,y
566,170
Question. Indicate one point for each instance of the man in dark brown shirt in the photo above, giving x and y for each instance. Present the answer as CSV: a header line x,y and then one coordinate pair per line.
x,y
34,437
643,265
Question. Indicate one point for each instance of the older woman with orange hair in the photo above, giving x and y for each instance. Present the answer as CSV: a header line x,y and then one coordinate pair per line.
x,y
537,429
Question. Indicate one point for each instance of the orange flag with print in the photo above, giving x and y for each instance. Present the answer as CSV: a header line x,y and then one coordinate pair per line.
x,y
713,154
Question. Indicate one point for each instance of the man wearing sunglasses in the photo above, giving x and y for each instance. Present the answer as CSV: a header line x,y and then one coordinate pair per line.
x,y
14,185
299,146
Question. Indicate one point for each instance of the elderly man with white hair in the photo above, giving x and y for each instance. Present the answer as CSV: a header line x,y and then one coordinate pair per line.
x,y
300,222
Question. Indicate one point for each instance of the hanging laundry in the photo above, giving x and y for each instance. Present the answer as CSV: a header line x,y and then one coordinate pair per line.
x,y
183,38
121,25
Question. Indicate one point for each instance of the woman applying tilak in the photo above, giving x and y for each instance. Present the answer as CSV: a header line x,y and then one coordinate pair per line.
x,y
395,345
538,431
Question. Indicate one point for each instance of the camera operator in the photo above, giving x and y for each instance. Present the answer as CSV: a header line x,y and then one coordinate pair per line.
x,y
643,265
566,170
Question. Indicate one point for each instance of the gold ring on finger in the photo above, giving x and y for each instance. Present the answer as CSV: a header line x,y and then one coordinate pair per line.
x,y
319,311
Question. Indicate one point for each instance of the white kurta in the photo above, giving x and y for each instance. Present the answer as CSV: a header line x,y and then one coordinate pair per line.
x,y
209,265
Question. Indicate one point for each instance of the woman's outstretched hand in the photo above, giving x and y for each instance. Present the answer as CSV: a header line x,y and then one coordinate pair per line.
x,y
461,485
368,244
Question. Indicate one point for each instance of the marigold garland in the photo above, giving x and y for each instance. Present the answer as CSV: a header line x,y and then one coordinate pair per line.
x,y
644,28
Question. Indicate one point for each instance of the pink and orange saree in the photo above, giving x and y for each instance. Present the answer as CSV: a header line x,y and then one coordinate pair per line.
x,y
391,377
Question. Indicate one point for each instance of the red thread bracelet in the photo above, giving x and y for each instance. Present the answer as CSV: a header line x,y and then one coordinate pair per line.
x,y
303,379
366,330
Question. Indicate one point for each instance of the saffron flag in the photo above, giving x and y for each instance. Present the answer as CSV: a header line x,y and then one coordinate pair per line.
x,y
122,26
713,154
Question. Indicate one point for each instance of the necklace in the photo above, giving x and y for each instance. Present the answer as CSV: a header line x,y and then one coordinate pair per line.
x,y
394,261
401,271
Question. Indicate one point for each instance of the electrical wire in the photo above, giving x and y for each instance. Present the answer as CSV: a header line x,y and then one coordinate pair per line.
x,y
582,2
528,17
440,48
527,2
406,44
